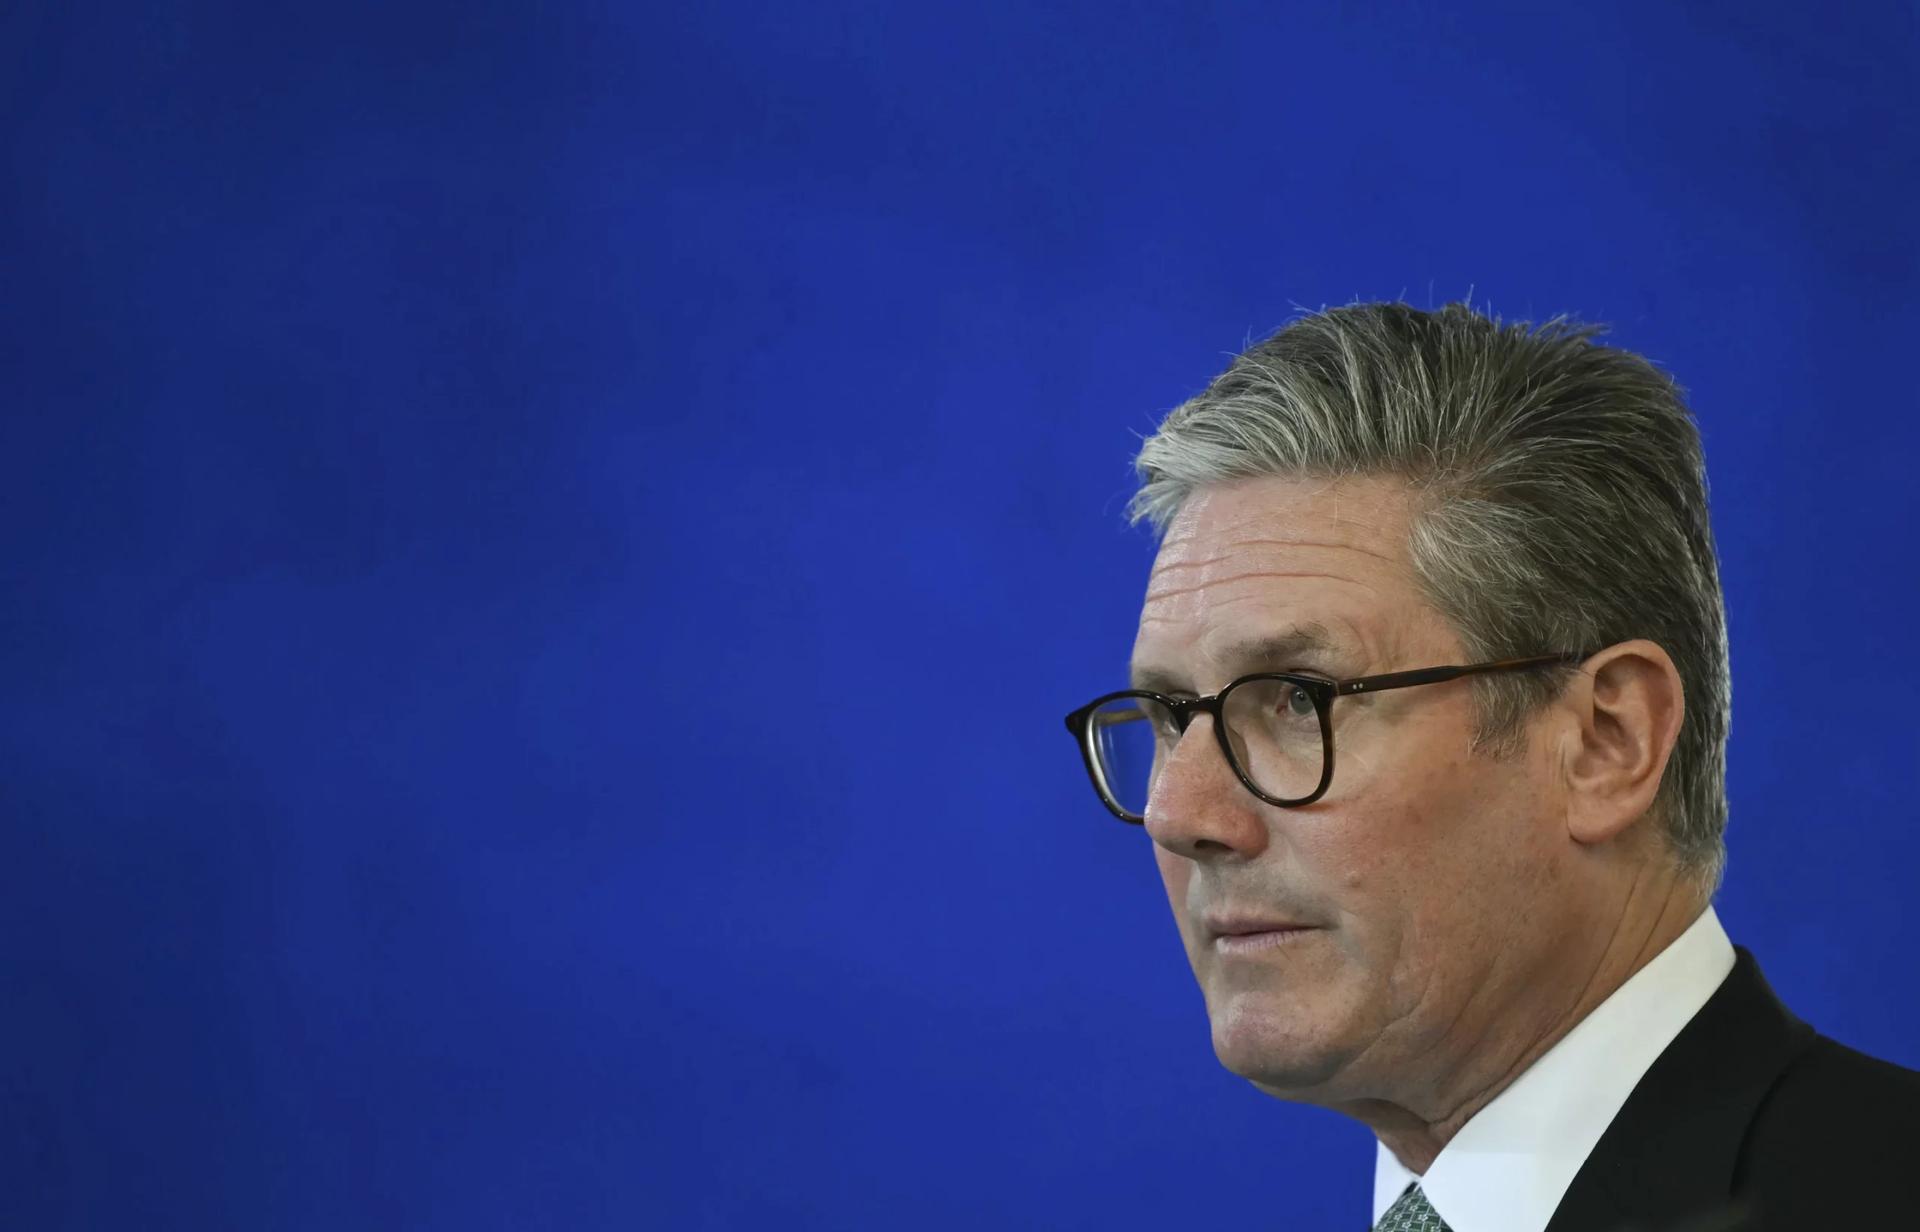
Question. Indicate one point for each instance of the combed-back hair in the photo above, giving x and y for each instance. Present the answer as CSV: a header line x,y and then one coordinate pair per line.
x,y
1561,500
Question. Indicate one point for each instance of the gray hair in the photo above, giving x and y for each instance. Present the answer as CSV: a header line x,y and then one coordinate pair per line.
x,y
1561,501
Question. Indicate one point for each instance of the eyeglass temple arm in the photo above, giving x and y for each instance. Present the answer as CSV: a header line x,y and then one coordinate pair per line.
x,y
1091,718
1434,675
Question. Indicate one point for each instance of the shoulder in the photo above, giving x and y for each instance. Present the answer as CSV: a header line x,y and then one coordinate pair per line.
x,y
1832,1137
1830,1092
1750,1119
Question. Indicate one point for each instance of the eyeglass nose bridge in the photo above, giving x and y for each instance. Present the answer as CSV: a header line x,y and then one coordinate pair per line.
x,y
1184,708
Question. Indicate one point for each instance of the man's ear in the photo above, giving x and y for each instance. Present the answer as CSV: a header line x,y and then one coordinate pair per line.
x,y
1627,705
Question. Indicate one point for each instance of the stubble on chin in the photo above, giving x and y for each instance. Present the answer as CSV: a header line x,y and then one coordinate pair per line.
x,y
1285,1052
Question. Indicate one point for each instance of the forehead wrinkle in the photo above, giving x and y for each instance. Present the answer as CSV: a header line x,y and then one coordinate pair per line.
x,y
1232,548
1162,593
1344,546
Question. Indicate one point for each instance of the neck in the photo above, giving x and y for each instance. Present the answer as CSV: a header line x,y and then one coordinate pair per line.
x,y
1653,916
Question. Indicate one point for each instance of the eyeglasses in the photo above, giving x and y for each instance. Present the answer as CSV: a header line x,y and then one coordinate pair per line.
x,y
1274,728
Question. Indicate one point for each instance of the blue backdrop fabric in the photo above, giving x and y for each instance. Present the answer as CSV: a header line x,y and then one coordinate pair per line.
x,y
546,547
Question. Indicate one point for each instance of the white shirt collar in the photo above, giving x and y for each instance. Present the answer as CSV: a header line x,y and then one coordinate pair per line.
x,y
1508,1167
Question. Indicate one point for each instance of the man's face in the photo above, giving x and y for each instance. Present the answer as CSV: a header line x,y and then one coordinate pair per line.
x,y
1425,874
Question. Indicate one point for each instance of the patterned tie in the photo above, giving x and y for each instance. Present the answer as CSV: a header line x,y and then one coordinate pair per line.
x,y
1411,1212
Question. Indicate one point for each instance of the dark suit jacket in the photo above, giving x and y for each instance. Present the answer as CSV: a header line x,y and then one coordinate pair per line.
x,y
1750,1120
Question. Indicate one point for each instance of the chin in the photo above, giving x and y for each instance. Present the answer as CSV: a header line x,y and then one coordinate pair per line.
x,y
1275,1047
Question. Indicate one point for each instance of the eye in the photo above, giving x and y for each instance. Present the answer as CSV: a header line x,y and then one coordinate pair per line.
x,y
1298,703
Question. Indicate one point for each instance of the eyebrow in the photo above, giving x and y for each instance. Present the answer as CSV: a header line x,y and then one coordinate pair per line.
x,y
1268,652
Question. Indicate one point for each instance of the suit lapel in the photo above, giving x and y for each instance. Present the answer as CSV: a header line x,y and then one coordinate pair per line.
x,y
1670,1153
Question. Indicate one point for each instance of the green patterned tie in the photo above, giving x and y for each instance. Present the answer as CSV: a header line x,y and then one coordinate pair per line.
x,y
1411,1213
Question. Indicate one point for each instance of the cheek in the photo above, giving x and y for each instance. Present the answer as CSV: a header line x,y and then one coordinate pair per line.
x,y
1450,867
1399,864
1407,788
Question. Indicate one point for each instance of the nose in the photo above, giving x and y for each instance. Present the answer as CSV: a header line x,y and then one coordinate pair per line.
x,y
1198,807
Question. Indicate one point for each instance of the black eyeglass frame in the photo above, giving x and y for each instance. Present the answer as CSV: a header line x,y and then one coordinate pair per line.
x,y
1323,690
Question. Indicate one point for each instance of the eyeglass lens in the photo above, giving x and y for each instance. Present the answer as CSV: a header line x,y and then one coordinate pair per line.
x,y
1272,726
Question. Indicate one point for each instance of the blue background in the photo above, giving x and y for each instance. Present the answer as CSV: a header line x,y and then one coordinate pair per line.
x,y
545,548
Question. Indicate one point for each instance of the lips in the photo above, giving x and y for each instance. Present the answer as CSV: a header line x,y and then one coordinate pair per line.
x,y
1242,926
1239,934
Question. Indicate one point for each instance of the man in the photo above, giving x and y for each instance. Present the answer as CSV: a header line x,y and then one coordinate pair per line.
x,y
1427,724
